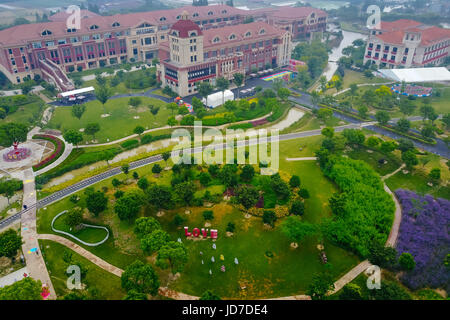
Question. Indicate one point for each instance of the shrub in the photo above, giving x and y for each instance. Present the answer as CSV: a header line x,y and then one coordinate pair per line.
x,y
156,168
130,144
118,194
297,208
269,218
406,261
230,227
294,182
208,215
303,193
178,220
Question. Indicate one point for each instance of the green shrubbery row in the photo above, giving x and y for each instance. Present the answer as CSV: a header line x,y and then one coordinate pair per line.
x,y
364,211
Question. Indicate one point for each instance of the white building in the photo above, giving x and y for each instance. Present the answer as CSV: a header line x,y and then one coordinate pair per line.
x,y
407,43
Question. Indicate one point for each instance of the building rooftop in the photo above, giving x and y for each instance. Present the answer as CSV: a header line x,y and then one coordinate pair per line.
x,y
393,32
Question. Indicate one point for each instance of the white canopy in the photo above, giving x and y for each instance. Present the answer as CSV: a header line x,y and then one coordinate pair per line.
x,y
77,91
416,74
216,99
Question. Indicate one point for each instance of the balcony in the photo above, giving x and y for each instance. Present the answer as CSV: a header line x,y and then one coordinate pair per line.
x,y
368,56
385,51
393,52
391,61
375,58
377,49
383,59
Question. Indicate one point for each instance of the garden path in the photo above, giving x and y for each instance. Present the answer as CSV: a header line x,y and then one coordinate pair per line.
x,y
30,247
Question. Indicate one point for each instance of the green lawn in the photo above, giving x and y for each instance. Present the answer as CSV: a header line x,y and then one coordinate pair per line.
x,y
373,158
28,113
89,235
107,285
119,124
289,271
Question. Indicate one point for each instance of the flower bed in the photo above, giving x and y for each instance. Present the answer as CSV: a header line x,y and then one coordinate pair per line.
x,y
424,233
259,122
59,149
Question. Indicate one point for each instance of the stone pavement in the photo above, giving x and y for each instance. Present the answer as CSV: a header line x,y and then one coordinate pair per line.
x,y
13,277
35,262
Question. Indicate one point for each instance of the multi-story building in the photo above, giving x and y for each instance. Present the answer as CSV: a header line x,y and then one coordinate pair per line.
x,y
407,43
193,55
50,49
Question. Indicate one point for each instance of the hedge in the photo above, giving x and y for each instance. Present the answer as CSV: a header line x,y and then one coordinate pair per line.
x,y
408,135
57,152
365,211
130,144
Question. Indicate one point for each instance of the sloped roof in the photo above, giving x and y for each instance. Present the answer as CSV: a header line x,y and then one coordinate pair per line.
x,y
62,15
417,74
239,31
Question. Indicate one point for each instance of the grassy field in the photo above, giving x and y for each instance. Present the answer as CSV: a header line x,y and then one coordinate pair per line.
x,y
119,124
251,243
28,113
99,283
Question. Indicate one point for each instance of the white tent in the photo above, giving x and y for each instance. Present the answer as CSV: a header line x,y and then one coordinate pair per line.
x,y
218,98
77,91
416,74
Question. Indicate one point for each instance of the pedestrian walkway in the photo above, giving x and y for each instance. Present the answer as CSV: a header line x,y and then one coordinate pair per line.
x,y
30,247
301,159
13,277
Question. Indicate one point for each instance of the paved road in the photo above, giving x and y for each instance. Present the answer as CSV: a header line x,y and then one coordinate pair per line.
x,y
30,247
137,164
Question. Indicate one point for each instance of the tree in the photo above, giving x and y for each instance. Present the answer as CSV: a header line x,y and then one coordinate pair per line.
x,y
228,175
205,178
12,132
96,202
297,208
91,129
407,108
410,159
388,146
143,183
152,242
269,217
435,174
248,172
129,205
405,145
321,284
222,84
204,90
25,289
78,110
166,156
9,187
74,217
10,242
294,181
72,136
184,191
389,291
382,256
373,141
362,111
103,94
323,83
172,107
382,117
406,261
328,132
446,120
178,220
145,225
171,121
172,254
283,93
303,193
141,278
135,102
280,187
159,196
209,295
427,131
238,79
354,136
139,130
427,112
295,229
125,168
156,169
208,215
134,295
247,196
351,291
324,114
403,125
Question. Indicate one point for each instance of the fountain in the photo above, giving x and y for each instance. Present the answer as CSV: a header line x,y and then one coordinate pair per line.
x,y
16,154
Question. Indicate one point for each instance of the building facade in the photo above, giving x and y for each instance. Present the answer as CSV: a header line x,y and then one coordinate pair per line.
x,y
193,55
51,49
407,43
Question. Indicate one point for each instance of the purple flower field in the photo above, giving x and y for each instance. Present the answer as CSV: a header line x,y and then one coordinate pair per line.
x,y
424,233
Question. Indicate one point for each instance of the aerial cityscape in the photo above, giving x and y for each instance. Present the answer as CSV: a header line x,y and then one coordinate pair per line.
x,y
247,150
